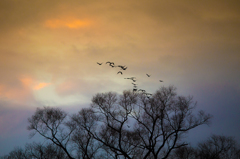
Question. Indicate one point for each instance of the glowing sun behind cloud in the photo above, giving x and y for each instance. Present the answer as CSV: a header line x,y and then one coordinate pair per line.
x,y
40,86
71,23
33,84
45,93
22,92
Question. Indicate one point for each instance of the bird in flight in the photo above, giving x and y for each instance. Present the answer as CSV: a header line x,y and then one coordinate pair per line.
x,y
99,63
119,72
132,78
160,80
110,64
134,90
148,75
122,67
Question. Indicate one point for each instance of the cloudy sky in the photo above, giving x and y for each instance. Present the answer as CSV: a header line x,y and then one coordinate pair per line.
x,y
49,50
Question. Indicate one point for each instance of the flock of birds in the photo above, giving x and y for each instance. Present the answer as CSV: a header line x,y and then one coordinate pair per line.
x,y
133,79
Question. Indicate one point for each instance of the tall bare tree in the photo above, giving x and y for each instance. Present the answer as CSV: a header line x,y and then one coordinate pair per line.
x,y
136,125
131,125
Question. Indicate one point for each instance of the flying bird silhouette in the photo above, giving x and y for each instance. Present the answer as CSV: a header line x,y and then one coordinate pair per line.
x,y
119,72
99,63
134,90
122,67
148,75
160,80
132,78
110,63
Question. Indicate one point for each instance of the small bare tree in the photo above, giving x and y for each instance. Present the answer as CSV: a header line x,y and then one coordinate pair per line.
x,y
50,123
44,151
184,152
17,153
219,147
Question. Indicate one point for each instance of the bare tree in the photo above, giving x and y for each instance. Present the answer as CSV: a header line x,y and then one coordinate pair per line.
x,y
85,122
131,125
17,153
218,147
163,119
44,151
135,125
184,152
50,123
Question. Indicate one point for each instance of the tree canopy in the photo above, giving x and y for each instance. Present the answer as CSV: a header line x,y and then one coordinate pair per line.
x,y
128,125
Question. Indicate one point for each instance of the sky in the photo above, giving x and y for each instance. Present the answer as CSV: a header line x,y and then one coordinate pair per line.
x,y
49,52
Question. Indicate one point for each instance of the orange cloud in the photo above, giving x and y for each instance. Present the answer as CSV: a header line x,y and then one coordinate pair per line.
x,y
17,93
67,23
28,82
40,86
21,92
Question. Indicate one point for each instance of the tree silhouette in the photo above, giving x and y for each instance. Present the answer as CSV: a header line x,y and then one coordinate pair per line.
x,y
49,123
132,125
128,125
219,147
